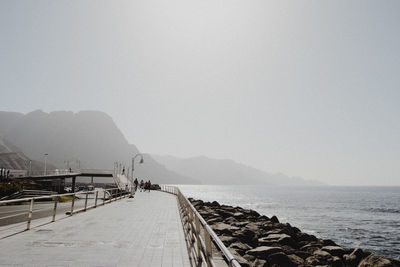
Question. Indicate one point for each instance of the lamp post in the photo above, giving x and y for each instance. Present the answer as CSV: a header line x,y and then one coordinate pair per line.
x,y
45,163
133,161
133,164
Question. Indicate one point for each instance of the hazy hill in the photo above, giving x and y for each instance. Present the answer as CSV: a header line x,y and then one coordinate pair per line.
x,y
11,157
224,171
90,137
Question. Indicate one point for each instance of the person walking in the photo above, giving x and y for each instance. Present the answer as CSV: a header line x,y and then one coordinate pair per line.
x,y
149,185
141,185
136,183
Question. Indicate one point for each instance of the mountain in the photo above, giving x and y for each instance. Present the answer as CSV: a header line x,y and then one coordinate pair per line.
x,y
11,157
225,171
90,139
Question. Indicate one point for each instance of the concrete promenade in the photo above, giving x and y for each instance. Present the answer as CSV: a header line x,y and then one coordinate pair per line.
x,y
143,231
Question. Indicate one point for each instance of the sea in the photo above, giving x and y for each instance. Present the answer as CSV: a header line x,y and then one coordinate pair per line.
x,y
365,217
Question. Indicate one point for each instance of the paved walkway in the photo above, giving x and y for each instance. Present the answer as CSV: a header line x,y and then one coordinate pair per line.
x,y
144,231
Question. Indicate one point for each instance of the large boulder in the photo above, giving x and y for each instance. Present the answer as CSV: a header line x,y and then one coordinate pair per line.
x,y
281,259
334,250
224,213
246,236
378,261
259,263
264,251
277,239
354,258
241,248
323,256
242,261
227,239
223,228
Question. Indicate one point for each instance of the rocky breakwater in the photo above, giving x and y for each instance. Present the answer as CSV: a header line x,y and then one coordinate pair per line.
x,y
257,240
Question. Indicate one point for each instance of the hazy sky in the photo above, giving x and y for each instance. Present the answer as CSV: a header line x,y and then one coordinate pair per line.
x,y
307,88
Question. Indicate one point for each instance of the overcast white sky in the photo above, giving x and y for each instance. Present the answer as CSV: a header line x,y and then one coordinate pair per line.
x,y
307,88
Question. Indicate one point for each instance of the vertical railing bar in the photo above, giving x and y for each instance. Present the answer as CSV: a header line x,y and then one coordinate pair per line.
x,y
197,222
28,225
55,209
86,198
95,201
208,247
72,204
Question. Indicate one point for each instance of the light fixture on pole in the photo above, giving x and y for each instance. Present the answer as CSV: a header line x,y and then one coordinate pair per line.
x,y
133,168
133,161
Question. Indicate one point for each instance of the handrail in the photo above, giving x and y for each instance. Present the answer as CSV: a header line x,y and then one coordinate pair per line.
x,y
112,194
194,220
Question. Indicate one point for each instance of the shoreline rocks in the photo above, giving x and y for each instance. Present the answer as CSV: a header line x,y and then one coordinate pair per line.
x,y
257,241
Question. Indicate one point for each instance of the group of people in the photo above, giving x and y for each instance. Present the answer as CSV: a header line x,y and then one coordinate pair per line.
x,y
143,186
4,173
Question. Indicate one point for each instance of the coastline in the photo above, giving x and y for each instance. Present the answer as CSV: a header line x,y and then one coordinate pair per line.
x,y
257,240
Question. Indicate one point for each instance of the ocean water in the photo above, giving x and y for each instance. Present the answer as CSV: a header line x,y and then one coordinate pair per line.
x,y
365,217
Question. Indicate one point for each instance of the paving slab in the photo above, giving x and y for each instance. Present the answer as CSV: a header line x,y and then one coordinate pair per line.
x,y
143,231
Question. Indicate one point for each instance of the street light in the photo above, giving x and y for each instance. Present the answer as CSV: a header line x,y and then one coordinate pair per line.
x,y
133,161
45,163
133,168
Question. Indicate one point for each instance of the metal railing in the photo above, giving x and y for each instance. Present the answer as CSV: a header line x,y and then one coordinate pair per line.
x,y
199,231
108,196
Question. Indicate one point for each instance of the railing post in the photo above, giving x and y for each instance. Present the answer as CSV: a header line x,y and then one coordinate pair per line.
x,y
95,201
207,239
28,225
72,204
86,198
197,222
104,197
55,209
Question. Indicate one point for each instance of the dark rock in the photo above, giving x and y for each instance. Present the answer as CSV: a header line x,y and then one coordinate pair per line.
x,y
240,224
359,253
311,247
322,256
334,250
350,260
214,220
223,228
231,221
377,261
242,261
281,239
296,259
264,251
306,237
227,240
259,263
249,258
312,261
246,236
354,258
328,242
274,219
239,215
281,259
302,254
241,248
263,218
251,213
336,262
215,204
224,213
